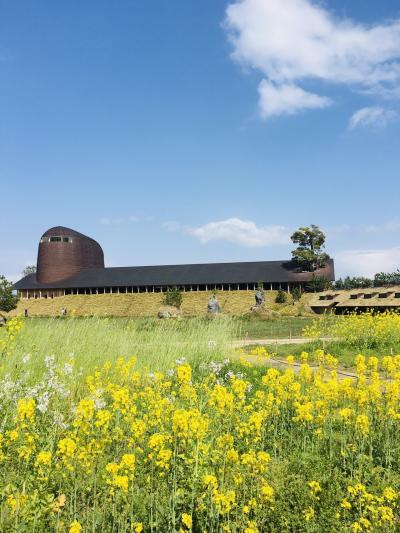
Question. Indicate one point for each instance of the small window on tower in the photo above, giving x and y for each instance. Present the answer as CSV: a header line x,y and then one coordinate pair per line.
x,y
66,239
55,239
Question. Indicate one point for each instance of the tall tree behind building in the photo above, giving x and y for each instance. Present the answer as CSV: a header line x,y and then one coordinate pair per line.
x,y
29,269
310,250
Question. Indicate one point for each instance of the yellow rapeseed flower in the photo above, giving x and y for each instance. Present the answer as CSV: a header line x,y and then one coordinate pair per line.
x,y
309,514
43,458
26,409
75,527
187,520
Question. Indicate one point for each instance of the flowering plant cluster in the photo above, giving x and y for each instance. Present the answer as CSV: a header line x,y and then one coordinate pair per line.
x,y
362,331
11,331
222,449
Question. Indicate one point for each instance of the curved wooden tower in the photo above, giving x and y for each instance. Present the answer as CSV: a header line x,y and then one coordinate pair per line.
x,y
64,252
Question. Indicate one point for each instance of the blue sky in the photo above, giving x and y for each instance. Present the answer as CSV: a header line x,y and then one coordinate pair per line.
x,y
186,131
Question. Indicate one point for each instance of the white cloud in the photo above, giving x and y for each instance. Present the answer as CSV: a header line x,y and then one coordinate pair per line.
x,y
372,117
293,41
242,232
287,99
367,262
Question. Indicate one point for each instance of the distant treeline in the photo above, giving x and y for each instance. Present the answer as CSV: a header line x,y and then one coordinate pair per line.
x,y
383,279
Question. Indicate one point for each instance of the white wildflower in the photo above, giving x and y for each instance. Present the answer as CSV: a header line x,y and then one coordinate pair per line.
x,y
100,403
67,369
26,358
49,361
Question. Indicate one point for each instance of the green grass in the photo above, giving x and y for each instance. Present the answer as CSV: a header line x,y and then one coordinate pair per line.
x,y
279,328
156,344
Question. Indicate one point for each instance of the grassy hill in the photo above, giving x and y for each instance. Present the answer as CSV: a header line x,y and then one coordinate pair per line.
x,y
235,303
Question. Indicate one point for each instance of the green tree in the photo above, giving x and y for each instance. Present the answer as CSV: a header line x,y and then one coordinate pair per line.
x,y
8,301
353,283
296,294
29,269
383,279
309,252
173,297
318,284
281,297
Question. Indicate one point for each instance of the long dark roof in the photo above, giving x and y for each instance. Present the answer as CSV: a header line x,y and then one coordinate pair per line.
x,y
168,275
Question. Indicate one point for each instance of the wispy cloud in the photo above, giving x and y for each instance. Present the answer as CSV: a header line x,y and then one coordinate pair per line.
x,y
376,117
241,232
287,99
367,262
291,42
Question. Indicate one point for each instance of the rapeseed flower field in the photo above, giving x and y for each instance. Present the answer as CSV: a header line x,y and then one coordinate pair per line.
x,y
223,447
361,331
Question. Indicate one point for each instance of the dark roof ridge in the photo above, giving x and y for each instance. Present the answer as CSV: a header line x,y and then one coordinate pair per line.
x,y
173,265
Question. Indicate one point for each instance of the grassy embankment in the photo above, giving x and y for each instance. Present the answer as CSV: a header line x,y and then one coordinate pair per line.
x,y
235,303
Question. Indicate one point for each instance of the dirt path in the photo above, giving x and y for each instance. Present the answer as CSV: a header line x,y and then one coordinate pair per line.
x,y
271,342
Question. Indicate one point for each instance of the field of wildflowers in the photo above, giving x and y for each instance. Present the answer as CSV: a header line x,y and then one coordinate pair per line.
x,y
219,446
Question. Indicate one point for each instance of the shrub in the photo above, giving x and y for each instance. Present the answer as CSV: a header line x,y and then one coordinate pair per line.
x,y
281,297
296,294
173,297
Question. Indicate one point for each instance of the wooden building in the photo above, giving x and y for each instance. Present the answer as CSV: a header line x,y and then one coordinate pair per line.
x,y
71,263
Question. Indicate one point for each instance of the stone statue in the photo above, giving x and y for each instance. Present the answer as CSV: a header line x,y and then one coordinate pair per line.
x,y
213,305
260,297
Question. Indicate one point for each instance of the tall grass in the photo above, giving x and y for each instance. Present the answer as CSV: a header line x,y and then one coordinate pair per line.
x,y
156,344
